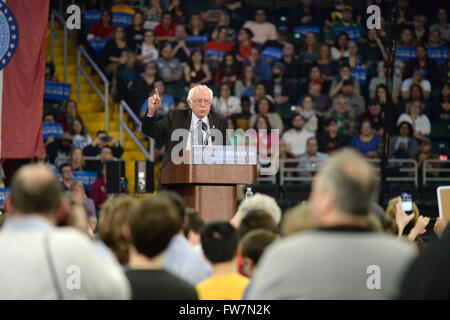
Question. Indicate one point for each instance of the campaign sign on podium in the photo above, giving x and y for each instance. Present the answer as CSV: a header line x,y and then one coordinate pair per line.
x,y
224,155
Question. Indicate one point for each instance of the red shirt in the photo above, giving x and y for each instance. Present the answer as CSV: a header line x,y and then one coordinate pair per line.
x,y
220,46
244,50
160,31
98,30
98,192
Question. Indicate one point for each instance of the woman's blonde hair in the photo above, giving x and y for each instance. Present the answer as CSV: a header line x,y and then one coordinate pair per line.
x,y
390,224
296,219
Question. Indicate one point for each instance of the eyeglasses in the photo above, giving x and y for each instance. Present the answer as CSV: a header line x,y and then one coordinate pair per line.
x,y
201,101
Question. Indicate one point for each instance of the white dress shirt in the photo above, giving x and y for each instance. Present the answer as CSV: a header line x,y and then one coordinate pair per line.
x,y
193,131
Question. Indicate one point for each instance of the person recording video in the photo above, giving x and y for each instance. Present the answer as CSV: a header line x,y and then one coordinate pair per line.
x,y
101,140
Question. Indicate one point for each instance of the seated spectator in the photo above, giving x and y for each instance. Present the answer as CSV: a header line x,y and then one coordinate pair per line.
x,y
43,159
279,42
341,198
102,29
224,21
228,71
70,114
418,79
297,136
442,25
245,85
165,31
254,220
31,233
80,136
266,141
366,141
169,68
261,29
346,21
102,139
106,154
258,201
297,219
167,102
312,154
420,122
258,93
225,103
242,118
403,145
180,49
66,176
435,39
380,79
420,28
429,66
425,153
443,110
264,107
211,15
215,50
180,257
77,191
416,96
113,219
406,38
260,67
153,14
58,151
76,160
120,6
344,115
321,102
309,52
176,9
292,64
98,189
373,51
354,59
328,68
340,49
307,112
181,105
149,50
195,71
337,85
244,45
152,225
195,28
281,89
124,77
143,86
331,140
374,116
112,52
135,32
305,13
219,242
253,245
193,228
355,100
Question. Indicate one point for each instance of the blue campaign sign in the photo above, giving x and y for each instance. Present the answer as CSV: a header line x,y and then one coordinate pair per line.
x,y
91,16
354,32
303,30
98,45
122,19
200,38
87,178
214,52
3,193
57,91
52,129
360,74
405,53
272,53
439,54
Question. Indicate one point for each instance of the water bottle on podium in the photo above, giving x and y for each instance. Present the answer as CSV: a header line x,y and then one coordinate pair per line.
x,y
249,193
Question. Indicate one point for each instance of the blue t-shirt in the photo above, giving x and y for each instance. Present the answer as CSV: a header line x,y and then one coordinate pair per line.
x,y
365,147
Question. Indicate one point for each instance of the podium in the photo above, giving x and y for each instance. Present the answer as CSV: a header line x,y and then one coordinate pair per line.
x,y
210,188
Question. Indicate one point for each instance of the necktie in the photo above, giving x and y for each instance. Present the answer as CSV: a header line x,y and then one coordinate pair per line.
x,y
199,133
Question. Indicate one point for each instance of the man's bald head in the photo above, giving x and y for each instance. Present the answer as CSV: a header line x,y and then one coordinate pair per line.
x,y
35,189
351,180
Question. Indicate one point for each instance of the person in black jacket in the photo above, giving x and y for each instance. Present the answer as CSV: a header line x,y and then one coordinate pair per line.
x,y
102,139
212,125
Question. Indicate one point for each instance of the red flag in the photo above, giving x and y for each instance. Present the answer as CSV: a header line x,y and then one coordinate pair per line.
x,y
23,43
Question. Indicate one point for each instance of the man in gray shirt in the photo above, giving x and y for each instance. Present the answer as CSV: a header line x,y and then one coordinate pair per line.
x,y
342,258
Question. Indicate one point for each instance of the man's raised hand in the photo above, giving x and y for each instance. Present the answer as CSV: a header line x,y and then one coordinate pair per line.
x,y
153,103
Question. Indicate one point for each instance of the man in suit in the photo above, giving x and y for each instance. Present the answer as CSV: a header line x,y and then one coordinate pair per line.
x,y
202,126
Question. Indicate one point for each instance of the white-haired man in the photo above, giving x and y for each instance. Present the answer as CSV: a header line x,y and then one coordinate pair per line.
x,y
198,121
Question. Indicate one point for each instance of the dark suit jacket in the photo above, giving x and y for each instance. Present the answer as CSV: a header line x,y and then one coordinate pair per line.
x,y
161,130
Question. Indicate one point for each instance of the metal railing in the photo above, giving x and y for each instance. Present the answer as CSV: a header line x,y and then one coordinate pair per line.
x,y
305,173
63,38
123,126
439,167
104,96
